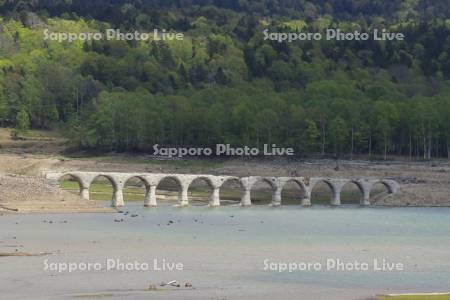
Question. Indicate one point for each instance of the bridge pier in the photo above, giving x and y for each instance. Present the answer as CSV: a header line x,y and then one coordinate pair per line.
x,y
365,186
306,202
336,186
276,196
246,198
84,193
215,197
117,200
150,196
365,201
336,199
183,199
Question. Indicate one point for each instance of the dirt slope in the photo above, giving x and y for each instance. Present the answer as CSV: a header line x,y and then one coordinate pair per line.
x,y
22,194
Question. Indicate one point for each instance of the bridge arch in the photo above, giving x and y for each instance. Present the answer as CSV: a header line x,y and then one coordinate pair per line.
x,y
262,197
74,176
141,178
71,177
317,194
198,180
228,187
174,178
285,184
116,197
131,185
237,180
171,183
110,178
268,180
352,192
203,178
388,184
380,189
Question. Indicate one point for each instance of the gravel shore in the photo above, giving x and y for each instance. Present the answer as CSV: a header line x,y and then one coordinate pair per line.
x,y
26,194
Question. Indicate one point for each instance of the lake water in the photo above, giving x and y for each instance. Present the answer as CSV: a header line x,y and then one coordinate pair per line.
x,y
224,252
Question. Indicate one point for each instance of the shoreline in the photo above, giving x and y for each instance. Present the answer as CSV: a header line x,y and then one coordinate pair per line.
x,y
107,210
422,184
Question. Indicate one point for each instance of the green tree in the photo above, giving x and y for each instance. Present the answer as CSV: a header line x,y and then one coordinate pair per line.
x,y
22,124
338,134
386,115
312,136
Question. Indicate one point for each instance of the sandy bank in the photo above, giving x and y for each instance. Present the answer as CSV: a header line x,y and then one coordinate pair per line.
x,y
26,194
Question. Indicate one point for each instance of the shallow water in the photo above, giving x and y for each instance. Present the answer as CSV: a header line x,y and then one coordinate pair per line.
x,y
223,251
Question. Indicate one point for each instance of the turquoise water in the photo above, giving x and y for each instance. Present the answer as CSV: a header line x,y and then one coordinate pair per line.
x,y
224,249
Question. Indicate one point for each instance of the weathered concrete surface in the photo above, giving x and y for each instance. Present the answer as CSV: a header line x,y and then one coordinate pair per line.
x,y
152,180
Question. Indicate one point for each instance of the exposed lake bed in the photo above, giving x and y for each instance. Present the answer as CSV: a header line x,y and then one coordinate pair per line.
x,y
225,253
230,252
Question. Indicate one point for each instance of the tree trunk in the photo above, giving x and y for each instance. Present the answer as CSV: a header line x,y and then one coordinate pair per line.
x,y
436,149
448,148
78,103
410,146
257,137
429,145
418,147
351,153
424,146
323,139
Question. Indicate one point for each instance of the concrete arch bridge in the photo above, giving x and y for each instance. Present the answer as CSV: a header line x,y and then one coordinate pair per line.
x,y
184,181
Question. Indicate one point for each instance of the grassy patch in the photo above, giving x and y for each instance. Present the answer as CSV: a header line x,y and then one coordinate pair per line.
x,y
34,134
102,190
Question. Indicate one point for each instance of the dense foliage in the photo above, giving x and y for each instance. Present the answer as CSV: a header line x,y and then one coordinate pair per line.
x,y
224,83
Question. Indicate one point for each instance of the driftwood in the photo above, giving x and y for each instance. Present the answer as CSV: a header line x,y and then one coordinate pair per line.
x,y
8,208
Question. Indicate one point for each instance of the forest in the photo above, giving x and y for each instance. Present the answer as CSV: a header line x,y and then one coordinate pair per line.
x,y
223,83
